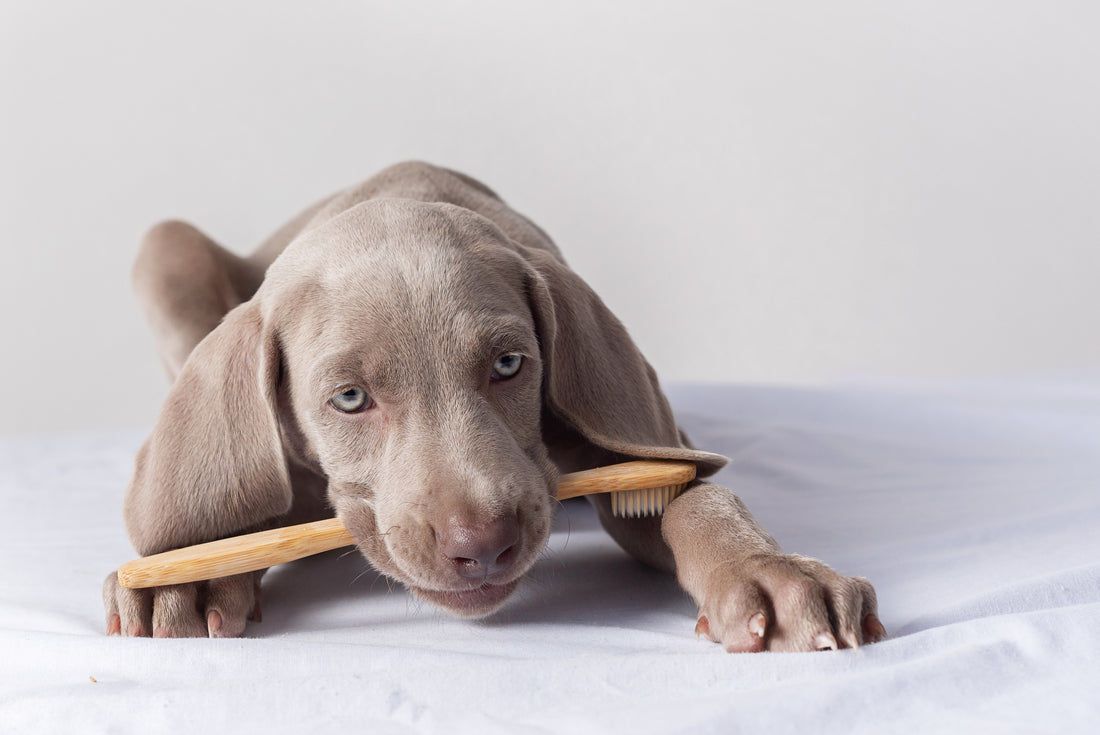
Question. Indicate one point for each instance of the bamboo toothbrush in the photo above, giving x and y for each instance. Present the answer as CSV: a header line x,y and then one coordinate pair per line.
x,y
638,489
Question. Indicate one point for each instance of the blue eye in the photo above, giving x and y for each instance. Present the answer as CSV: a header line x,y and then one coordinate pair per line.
x,y
351,400
506,366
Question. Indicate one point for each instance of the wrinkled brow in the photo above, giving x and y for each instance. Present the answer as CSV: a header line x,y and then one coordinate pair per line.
x,y
510,332
380,369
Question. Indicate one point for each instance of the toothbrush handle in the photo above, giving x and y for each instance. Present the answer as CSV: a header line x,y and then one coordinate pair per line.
x,y
247,553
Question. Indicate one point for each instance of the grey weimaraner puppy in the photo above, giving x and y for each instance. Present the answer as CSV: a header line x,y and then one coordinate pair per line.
x,y
416,357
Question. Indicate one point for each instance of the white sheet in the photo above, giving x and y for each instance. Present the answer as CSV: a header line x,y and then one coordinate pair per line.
x,y
974,508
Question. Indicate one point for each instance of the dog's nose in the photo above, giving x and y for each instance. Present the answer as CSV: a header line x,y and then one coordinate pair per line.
x,y
479,549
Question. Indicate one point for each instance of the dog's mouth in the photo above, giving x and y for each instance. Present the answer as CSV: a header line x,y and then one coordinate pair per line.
x,y
472,603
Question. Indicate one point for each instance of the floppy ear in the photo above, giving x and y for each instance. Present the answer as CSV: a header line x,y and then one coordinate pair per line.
x,y
595,379
214,464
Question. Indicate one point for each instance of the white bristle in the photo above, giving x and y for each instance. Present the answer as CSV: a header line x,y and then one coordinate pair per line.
x,y
643,503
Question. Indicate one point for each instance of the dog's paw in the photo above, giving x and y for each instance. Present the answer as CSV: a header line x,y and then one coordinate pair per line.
x,y
219,608
776,602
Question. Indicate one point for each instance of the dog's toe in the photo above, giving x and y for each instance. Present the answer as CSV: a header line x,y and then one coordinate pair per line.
x,y
230,602
873,629
176,612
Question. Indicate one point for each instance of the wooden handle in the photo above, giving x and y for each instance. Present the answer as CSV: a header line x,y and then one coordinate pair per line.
x,y
253,551
615,478
235,555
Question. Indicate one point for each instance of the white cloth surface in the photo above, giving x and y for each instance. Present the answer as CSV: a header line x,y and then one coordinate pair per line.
x,y
974,508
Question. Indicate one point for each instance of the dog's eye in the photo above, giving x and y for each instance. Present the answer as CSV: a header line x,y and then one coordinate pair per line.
x,y
507,366
352,400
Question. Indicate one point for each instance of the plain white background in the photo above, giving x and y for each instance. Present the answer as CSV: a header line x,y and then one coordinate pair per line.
x,y
780,192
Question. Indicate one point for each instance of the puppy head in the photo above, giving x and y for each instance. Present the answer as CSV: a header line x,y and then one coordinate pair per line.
x,y
412,372
408,352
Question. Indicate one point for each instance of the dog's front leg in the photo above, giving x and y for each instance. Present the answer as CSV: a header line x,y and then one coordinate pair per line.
x,y
752,596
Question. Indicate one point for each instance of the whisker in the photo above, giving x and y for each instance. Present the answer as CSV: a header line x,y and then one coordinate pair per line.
x,y
367,568
562,510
